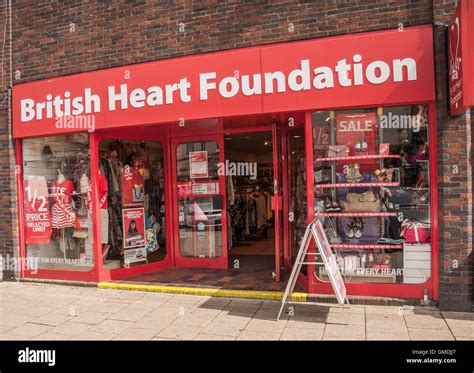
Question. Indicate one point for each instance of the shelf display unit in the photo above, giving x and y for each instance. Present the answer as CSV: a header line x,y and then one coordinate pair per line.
x,y
371,184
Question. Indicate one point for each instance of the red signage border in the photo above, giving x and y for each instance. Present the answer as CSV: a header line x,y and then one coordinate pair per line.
x,y
372,68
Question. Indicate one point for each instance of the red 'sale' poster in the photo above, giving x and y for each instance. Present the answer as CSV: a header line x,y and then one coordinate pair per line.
x,y
357,132
37,215
353,130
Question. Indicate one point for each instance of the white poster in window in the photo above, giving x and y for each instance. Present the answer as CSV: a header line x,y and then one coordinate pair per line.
x,y
198,165
137,254
204,188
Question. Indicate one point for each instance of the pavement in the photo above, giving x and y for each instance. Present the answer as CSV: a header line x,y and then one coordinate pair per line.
x,y
30,311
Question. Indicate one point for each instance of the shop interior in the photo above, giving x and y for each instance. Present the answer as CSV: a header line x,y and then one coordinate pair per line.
x,y
251,230
134,174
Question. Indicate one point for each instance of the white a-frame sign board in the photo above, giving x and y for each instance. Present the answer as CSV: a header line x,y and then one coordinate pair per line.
x,y
316,231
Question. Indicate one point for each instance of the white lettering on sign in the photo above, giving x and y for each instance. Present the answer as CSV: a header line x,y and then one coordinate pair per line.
x,y
355,125
60,107
303,78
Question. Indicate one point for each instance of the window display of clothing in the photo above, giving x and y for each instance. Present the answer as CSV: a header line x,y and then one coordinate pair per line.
x,y
62,211
134,174
67,176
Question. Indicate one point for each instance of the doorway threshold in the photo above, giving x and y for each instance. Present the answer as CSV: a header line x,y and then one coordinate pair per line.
x,y
248,281
227,293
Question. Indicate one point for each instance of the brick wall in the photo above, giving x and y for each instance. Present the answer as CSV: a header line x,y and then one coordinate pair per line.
x,y
53,38
455,185
8,219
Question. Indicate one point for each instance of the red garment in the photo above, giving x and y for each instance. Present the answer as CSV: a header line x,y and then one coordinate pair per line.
x,y
62,213
61,192
140,162
130,180
103,189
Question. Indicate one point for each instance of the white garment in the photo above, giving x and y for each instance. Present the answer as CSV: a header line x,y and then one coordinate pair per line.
x,y
84,183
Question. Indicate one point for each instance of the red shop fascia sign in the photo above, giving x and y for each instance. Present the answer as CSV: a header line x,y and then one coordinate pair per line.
x,y
461,58
358,70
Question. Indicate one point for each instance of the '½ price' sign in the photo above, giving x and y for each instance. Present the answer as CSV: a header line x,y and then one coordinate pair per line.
x,y
37,215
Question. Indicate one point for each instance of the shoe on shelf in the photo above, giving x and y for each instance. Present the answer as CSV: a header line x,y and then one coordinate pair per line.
x,y
336,207
352,227
359,228
329,205
361,147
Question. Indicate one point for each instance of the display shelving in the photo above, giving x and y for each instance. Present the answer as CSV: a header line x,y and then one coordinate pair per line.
x,y
356,214
357,185
357,157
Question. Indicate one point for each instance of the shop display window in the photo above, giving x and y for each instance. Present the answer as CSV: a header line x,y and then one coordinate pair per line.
x,y
372,190
57,203
199,199
132,201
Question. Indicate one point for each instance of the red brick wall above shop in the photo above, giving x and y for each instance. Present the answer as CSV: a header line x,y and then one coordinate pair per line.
x,y
65,37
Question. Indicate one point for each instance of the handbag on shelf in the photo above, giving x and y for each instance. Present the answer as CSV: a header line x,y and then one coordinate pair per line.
x,y
320,151
337,151
361,202
414,231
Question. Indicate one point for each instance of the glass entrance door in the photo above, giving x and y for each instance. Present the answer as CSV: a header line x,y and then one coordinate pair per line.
x,y
277,200
200,221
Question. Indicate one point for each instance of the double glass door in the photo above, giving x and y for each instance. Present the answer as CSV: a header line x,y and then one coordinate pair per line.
x,y
200,223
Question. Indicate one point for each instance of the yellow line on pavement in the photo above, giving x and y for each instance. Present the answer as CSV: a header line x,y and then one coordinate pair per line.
x,y
269,295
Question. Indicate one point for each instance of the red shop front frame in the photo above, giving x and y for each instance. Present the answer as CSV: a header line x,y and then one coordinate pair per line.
x,y
99,272
159,134
413,42
56,274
